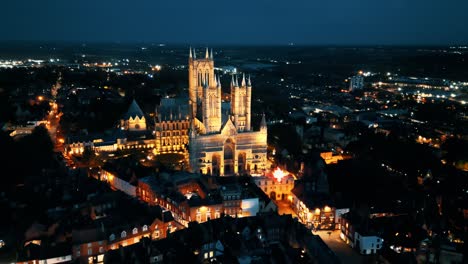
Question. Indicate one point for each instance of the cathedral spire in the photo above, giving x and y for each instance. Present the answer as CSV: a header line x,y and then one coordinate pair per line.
x,y
194,53
232,81
190,54
263,124
207,55
216,81
243,80
237,81
249,83
219,81
211,54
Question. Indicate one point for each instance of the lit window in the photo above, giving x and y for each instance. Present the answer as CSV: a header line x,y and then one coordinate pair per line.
x,y
145,228
135,230
123,234
156,233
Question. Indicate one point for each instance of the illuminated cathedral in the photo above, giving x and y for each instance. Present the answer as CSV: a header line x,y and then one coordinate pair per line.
x,y
221,138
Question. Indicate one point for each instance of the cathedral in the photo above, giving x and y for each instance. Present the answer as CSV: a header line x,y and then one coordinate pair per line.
x,y
221,138
216,136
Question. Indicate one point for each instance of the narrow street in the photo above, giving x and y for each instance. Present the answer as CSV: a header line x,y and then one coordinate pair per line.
x,y
284,208
344,252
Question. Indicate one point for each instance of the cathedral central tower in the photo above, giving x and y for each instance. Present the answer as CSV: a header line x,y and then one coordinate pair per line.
x,y
204,91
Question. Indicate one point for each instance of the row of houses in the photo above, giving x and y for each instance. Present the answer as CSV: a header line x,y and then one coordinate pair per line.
x,y
189,196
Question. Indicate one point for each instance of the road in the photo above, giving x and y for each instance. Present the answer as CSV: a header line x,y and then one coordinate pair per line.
x,y
284,207
344,252
53,124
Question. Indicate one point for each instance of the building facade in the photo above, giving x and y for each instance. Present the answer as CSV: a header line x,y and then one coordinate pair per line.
x,y
222,143
134,119
363,242
171,127
277,184
356,83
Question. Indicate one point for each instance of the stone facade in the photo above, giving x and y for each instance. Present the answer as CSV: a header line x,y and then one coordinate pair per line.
x,y
222,143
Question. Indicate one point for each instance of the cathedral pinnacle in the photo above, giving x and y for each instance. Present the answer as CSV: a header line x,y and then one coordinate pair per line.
x,y
190,54
243,80
211,54
248,81
207,55
263,124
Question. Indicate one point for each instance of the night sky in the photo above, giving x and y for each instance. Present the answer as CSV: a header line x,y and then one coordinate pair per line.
x,y
316,22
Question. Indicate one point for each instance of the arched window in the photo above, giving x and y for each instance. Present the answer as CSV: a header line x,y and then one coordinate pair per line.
x,y
145,228
135,230
123,234
228,152
112,237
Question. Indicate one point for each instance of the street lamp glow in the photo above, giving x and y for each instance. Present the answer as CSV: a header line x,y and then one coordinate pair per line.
x,y
278,174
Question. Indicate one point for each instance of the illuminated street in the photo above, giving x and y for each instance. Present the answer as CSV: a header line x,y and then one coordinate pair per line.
x,y
344,252
285,208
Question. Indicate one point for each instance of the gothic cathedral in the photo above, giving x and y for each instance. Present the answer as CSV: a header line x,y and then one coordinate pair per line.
x,y
221,138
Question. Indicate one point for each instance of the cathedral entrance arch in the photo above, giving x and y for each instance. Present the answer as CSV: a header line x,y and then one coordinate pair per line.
x,y
229,147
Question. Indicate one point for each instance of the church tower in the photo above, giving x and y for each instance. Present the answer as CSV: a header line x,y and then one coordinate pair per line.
x,y
222,144
240,103
204,91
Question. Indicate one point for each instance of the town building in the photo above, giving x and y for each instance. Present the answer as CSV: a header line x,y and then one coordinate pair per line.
x,y
276,184
268,238
356,83
194,197
310,198
131,221
357,235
